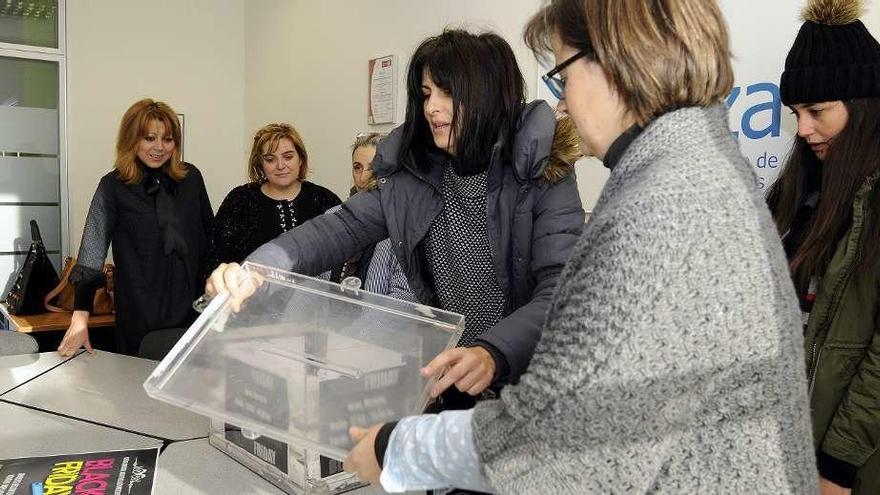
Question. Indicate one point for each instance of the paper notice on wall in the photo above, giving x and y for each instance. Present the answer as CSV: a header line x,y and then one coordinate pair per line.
x,y
380,109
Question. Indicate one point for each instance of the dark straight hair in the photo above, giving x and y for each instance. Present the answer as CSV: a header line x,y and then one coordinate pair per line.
x,y
851,159
480,72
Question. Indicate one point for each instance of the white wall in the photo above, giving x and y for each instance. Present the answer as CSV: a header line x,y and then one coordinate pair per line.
x,y
233,65
189,54
306,64
872,17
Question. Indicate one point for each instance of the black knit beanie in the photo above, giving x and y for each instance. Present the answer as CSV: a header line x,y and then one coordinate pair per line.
x,y
834,57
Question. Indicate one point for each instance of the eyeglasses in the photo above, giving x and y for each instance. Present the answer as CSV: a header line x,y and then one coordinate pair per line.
x,y
363,135
555,83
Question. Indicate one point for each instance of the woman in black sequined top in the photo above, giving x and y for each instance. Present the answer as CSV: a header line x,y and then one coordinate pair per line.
x,y
277,198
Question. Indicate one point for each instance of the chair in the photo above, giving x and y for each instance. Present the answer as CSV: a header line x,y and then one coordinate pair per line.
x,y
157,343
16,343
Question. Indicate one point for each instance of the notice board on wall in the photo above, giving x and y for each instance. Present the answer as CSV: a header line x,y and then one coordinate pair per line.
x,y
382,91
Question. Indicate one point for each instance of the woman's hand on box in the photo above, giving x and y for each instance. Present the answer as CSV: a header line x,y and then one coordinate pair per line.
x,y
470,369
361,459
231,277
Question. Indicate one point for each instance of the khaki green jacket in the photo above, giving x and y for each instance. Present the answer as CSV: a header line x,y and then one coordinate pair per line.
x,y
842,351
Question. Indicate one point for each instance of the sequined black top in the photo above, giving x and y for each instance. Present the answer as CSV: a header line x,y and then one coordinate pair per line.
x,y
247,219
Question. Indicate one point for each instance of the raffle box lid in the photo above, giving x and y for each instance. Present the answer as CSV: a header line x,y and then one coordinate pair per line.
x,y
303,359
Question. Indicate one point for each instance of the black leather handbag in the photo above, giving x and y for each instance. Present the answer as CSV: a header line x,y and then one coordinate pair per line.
x,y
35,279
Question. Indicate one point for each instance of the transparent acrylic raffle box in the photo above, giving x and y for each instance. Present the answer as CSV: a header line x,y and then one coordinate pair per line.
x,y
301,361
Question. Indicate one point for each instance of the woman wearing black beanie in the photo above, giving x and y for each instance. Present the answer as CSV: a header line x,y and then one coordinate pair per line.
x,y
827,208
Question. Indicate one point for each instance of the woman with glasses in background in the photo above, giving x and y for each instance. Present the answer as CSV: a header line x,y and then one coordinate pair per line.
x,y
362,153
376,266
670,360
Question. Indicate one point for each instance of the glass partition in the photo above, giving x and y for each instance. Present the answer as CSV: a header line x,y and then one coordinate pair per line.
x,y
30,170
29,22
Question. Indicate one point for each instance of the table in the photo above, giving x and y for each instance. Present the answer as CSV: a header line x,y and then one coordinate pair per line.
x,y
26,433
107,388
195,466
47,322
93,402
18,369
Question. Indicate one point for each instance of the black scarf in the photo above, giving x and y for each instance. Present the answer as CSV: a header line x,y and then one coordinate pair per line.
x,y
163,188
620,145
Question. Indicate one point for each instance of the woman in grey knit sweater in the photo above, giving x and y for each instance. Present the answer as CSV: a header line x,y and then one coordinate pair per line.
x,y
671,358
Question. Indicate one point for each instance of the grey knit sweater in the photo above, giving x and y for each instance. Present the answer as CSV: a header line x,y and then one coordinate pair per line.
x,y
671,358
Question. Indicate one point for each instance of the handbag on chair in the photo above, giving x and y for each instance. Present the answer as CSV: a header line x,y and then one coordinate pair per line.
x,y
62,297
35,279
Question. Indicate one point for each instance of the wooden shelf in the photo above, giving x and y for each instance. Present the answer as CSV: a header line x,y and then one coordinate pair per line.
x,y
48,322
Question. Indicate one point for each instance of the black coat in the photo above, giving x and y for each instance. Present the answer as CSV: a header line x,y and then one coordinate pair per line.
x,y
152,290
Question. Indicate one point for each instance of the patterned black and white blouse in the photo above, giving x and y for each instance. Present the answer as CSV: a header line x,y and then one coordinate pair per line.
x,y
460,259
247,219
